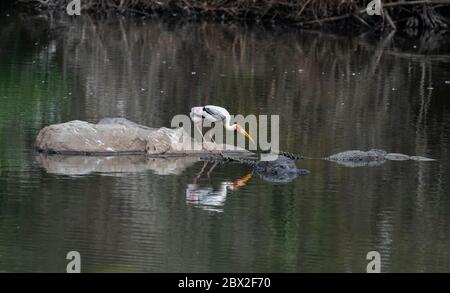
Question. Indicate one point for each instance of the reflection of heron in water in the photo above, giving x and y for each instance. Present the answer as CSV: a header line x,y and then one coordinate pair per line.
x,y
205,164
207,198
280,170
235,185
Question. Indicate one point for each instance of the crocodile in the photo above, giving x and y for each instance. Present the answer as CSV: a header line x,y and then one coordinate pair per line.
x,y
358,158
351,158
282,169
372,157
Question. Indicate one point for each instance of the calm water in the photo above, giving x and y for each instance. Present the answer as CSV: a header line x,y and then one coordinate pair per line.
x,y
333,94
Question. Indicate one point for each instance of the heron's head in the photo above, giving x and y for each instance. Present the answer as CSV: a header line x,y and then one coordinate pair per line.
x,y
242,131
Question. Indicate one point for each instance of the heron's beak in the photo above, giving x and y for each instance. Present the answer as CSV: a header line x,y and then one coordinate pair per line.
x,y
242,131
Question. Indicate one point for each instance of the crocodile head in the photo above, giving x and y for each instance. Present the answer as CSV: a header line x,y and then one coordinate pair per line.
x,y
282,169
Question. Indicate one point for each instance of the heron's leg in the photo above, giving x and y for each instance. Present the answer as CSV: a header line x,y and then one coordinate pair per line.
x,y
199,174
197,125
210,136
212,168
208,133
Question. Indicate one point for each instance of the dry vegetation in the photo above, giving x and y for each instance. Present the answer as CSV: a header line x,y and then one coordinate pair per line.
x,y
396,14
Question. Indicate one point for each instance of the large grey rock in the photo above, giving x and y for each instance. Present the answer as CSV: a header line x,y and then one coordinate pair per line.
x,y
76,137
118,136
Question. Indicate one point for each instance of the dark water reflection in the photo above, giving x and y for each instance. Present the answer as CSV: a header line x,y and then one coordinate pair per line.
x,y
332,93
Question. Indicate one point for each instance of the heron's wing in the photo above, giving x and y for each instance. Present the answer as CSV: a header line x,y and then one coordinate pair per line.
x,y
214,113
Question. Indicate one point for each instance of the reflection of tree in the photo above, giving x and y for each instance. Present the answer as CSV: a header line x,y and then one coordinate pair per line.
x,y
32,88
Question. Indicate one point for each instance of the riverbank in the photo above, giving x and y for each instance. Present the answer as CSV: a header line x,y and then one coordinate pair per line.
x,y
345,14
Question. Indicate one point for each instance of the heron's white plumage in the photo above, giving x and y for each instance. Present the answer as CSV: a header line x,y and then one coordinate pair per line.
x,y
211,113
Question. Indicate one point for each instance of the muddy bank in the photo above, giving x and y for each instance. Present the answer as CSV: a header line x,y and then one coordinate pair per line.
x,y
394,15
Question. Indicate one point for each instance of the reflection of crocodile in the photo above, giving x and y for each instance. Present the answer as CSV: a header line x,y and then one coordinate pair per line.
x,y
282,169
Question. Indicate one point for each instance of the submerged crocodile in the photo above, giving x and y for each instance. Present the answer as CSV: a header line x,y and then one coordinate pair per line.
x,y
282,169
372,157
358,158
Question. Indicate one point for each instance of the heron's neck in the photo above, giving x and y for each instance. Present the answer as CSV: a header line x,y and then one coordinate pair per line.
x,y
228,126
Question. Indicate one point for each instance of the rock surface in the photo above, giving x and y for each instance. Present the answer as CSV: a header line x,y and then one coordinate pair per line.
x,y
118,136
